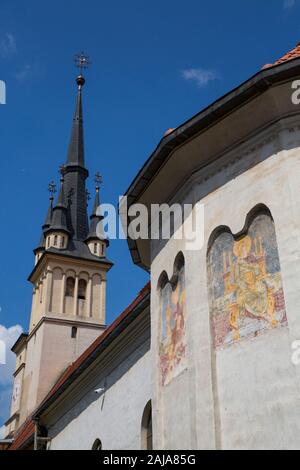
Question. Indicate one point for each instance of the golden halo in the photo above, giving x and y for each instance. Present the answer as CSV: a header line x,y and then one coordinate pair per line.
x,y
242,247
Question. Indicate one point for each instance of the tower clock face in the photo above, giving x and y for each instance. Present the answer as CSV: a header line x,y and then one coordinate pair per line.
x,y
16,392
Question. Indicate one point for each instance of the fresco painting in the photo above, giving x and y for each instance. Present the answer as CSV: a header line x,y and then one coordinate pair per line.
x,y
246,293
172,348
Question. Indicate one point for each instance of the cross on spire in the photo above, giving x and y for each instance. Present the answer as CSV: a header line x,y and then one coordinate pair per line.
x,y
98,180
82,61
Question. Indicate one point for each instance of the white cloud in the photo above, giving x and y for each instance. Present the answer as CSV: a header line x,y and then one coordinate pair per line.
x,y
8,336
287,4
8,45
5,402
200,76
23,73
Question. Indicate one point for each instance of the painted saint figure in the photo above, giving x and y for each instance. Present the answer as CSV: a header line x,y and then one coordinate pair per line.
x,y
253,297
247,296
172,344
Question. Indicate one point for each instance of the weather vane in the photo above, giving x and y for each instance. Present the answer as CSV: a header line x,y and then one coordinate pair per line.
x,y
82,61
52,189
98,180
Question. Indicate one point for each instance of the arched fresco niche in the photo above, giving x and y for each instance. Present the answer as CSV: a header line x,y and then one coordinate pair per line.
x,y
172,327
245,285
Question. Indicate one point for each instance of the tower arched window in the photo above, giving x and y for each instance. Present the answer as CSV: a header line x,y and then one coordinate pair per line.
x,y
70,287
62,242
147,435
74,332
55,240
95,248
82,289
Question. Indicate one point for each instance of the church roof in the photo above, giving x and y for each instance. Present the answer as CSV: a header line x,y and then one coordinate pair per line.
x,y
26,432
291,55
24,435
282,69
103,341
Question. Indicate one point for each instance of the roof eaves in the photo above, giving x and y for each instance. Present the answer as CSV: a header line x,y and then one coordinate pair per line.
x,y
20,340
209,116
92,259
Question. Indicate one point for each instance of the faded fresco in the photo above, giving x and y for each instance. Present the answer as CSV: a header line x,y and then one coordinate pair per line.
x,y
172,348
246,293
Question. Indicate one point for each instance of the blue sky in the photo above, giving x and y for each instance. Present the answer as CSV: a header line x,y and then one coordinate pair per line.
x,y
155,64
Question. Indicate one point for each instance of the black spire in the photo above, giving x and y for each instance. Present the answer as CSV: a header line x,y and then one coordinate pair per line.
x,y
70,213
59,217
76,174
48,219
95,218
76,146
96,231
49,215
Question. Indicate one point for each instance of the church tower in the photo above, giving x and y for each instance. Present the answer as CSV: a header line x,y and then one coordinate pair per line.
x,y
69,283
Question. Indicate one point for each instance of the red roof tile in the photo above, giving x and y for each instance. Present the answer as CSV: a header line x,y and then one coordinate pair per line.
x,y
27,430
293,54
25,433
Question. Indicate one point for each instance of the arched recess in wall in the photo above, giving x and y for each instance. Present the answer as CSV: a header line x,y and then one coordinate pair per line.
x,y
56,290
82,293
244,280
172,322
147,431
96,296
70,286
69,293
82,285
246,298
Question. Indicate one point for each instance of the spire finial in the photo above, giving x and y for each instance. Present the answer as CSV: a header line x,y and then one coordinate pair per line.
x,y
98,180
82,62
52,189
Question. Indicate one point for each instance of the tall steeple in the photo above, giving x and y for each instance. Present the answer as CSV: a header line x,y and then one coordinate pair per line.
x,y
66,228
69,280
76,146
76,174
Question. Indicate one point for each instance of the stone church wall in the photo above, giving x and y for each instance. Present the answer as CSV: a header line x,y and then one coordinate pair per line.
x,y
114,416
238,387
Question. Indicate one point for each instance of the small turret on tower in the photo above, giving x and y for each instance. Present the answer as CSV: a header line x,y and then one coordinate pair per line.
x,y
57,233
96,239
40,249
